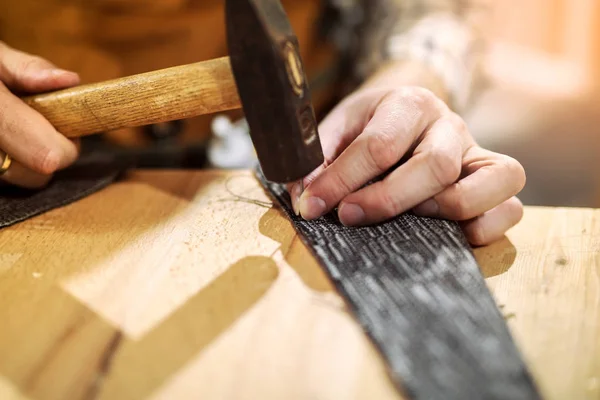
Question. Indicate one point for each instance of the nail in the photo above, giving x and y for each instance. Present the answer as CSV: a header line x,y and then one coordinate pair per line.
x,y
312,207
47,73
351,214
295,195
429,208
55,73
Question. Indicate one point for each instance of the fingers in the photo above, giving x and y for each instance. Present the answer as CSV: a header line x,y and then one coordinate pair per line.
x,y
18,175
492,179
436,163
493,225
345,122
37,149
23,72
30,139
341,126
397,122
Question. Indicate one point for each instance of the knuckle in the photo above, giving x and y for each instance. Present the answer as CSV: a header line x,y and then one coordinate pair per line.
x,y
476,234
459,206
30,63
388,206
458,124
46,161
420,97
425,95
516,210
382,150
386,200
332,187
444,168
342,185
515,173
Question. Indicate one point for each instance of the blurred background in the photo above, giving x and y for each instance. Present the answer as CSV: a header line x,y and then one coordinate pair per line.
x,y
540,103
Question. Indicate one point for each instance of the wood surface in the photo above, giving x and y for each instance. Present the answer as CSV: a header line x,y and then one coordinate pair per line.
x,y
159,96
181,285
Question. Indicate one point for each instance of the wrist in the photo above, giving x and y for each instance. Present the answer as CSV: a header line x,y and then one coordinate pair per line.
x,y
441,52
407,73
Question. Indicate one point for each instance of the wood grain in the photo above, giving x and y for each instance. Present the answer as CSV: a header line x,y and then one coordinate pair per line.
x,y
546,278
158,96
170,285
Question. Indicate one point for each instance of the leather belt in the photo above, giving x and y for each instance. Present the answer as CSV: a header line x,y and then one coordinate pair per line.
x,y
417,290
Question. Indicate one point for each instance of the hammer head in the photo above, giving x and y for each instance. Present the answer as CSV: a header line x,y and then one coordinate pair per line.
x,y
272,87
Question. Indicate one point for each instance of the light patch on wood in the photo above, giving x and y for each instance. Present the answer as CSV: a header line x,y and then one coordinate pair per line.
x,y
327,354
7,261
9,392
156,273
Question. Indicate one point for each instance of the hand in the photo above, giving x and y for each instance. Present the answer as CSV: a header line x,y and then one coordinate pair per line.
x,y
445,175
37,150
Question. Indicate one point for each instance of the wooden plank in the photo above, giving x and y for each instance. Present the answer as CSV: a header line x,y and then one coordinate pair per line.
x,y
169,285
546,278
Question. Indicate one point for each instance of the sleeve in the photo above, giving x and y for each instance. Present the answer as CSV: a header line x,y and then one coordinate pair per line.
x,y
443,34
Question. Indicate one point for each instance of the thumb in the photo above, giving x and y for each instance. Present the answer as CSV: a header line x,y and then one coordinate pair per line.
x,y
24,72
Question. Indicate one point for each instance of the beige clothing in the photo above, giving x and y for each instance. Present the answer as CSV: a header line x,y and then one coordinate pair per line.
x,y
442,33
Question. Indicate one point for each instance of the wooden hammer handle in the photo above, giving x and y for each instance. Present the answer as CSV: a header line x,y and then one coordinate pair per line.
x,y
159,96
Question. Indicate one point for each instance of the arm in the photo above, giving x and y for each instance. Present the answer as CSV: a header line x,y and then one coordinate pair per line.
x,y
442,37
407,73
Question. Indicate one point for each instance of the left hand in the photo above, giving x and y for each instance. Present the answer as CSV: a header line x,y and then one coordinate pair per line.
x,y
445,175
30,148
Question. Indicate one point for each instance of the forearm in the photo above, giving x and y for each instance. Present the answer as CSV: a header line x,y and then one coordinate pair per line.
x,y
425,43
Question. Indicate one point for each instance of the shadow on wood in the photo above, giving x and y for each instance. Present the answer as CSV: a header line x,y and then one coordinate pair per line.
x,y
275,225
52,345
497,258
103,362
143,366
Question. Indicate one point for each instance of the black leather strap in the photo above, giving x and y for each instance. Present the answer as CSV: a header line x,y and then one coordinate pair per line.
x,y
416,289
90,174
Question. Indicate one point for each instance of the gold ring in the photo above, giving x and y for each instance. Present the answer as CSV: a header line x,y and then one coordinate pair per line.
x,y
6,162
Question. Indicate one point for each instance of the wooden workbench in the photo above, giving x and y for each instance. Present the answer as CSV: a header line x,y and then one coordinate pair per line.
x,y
169,286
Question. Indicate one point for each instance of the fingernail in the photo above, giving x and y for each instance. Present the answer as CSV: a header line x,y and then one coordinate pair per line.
x,y
312,207
54,73
351,214
429,208
295,195
58,71
45,73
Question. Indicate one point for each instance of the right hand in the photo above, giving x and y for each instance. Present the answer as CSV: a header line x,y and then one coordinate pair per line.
x,y
37,150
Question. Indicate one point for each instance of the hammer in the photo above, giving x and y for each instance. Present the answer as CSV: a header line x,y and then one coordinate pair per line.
x,y
263,74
